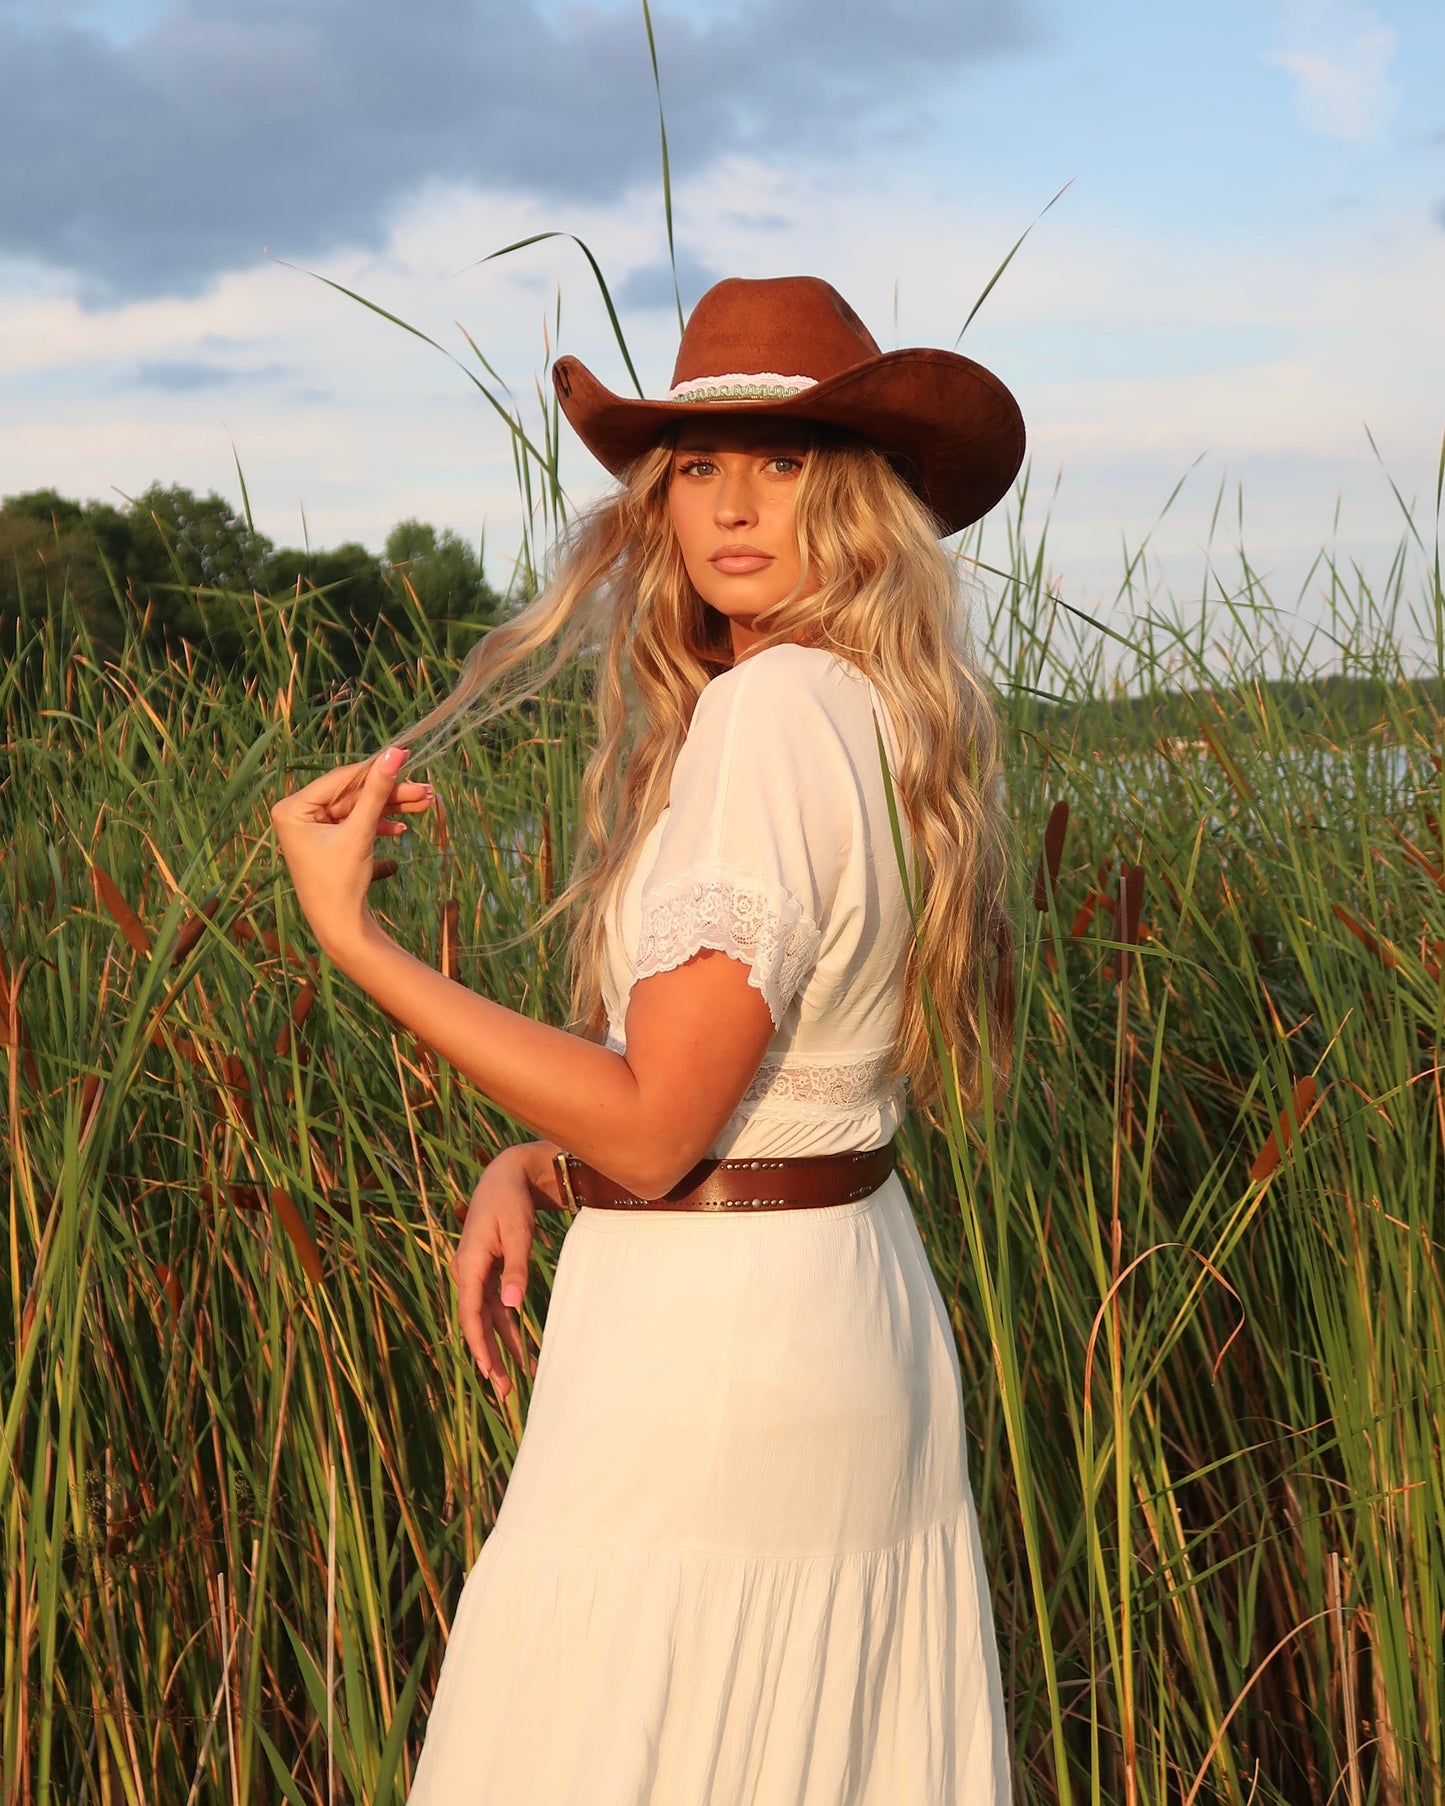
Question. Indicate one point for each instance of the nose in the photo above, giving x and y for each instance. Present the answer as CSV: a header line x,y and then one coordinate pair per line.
x,y
736,505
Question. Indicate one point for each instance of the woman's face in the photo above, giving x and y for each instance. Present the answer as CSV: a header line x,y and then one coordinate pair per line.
x,y
731,495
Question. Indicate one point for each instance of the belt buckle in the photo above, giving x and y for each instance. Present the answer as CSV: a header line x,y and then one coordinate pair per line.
x,y
564,1178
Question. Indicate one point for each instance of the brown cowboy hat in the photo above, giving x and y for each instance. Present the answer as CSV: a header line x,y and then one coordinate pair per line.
x,y
793,348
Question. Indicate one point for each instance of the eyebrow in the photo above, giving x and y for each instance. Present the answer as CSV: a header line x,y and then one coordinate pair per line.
x,y
778,449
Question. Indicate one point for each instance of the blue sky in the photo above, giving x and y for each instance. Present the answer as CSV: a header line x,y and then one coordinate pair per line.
x,y
1248,265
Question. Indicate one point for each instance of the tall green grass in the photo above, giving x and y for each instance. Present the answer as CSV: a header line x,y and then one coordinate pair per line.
x,y
1192,1261
1197,1277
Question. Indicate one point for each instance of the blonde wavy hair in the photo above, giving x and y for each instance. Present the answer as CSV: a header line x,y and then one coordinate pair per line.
x,y
888,599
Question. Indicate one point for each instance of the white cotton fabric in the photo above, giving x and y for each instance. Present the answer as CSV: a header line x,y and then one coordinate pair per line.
x,y
738,1562
776,847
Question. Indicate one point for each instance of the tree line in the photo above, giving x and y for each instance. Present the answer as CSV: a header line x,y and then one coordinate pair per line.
x,y
182,570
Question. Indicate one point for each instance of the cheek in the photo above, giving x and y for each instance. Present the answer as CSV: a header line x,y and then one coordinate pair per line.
x,y
783,530
686,523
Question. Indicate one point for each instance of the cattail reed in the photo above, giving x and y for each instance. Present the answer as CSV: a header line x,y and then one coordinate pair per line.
x,y
1200,1354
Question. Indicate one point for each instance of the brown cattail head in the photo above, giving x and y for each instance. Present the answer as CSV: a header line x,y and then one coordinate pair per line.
x,y
1367,937
107,894
1300,1108
1080,924
1051,857
1128,902
451,918
1423,860
300,1010
238,1086
544,857
12,1028
193,926
171,1287
290,1220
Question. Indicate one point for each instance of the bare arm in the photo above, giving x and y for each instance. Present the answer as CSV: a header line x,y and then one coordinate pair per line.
x,y
695,1036
696,1033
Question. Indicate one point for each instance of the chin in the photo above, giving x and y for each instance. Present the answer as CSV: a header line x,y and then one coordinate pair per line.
x,y
744,608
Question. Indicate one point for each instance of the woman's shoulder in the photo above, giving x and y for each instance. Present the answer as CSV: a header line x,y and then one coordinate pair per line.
x,y
788,683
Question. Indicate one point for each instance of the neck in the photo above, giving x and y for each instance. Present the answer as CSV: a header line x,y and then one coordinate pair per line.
x,y
744,637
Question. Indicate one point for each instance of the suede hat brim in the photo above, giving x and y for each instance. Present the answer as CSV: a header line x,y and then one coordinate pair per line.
x,y
953,429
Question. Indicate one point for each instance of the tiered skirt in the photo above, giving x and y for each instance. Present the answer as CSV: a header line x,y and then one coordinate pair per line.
x,y
738,1562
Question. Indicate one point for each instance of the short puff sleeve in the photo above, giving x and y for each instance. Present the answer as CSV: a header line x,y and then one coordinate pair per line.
x,y
761,820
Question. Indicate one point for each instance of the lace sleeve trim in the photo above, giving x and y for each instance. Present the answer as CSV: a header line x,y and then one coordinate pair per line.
x,y
734,912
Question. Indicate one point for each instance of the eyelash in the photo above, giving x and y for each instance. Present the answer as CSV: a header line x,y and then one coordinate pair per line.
x,y
692,465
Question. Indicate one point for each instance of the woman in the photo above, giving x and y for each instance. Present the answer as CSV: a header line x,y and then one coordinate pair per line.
x,y
738,1559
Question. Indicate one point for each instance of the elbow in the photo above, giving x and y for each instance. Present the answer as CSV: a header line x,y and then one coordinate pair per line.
x,y
652,1172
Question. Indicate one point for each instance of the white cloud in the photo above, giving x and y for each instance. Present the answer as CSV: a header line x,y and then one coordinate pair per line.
x,y
340,412
311,125
1339,56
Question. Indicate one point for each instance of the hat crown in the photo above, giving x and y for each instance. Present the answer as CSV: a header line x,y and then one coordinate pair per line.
x,y
791,348
790,325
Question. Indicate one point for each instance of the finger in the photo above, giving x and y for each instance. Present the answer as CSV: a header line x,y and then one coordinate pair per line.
x,y
507,1329
374,797
492,1364
491,1312
409,799
516,1235
398,810
515,1230
328,788
358,808
469,1316
337,794
500,1326
471,1278
485,1347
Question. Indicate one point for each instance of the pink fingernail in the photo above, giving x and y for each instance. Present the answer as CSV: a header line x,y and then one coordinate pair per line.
x,y
512,1295
391,759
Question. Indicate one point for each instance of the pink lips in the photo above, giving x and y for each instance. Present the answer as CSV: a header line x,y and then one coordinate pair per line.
x,y
738,561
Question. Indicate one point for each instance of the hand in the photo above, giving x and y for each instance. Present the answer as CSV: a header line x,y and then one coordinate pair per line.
x,y
491,1261
326,832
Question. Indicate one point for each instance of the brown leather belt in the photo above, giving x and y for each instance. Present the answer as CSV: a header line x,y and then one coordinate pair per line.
x,y
797,1184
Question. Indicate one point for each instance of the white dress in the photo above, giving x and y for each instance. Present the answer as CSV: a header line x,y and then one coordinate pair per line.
x,y
737,1562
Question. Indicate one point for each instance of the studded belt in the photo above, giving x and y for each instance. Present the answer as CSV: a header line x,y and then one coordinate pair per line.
x,y
801,1183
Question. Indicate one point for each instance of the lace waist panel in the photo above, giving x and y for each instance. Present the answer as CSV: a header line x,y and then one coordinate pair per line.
x,y
819,1085
842,1094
